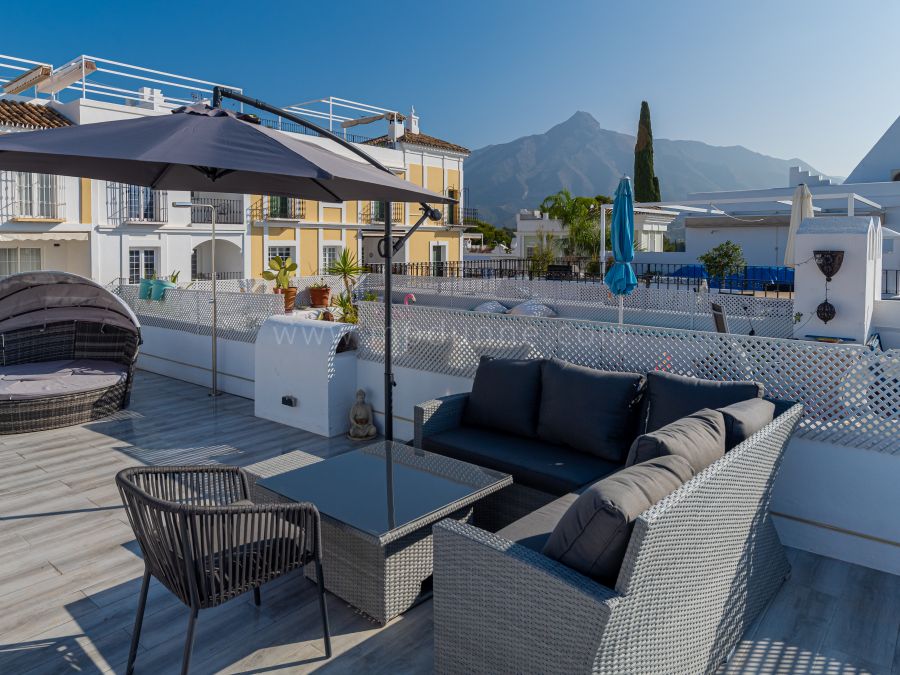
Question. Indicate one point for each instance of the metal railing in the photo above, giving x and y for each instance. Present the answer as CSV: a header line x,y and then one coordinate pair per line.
x,y
220,276
229,211
766,281
36,195
136,204
470,215
294,128
373,213
278,208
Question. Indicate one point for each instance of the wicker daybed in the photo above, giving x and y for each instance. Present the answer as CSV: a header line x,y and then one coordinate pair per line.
x,y
67,351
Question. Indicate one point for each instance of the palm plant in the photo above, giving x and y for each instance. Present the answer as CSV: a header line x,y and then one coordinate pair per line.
x,y
347,268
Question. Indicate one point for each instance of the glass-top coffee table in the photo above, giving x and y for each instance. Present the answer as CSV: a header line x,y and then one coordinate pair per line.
x,y
378,504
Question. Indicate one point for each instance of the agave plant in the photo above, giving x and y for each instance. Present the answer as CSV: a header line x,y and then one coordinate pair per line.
x,y
280,271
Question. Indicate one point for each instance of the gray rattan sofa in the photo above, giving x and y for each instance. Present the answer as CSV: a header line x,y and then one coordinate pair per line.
x,y
67,351
699,566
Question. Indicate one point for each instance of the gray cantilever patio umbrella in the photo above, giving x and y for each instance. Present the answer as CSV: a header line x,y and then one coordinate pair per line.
x,y
208,148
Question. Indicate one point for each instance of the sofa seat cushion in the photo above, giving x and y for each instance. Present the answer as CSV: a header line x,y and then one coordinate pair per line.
x,y
46,379
670,397
505,395
543,466
534,530
593,535
697,438
594,411
744,419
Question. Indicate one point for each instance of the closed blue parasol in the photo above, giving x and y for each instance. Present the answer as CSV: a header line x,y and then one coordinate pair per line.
x,y
621,279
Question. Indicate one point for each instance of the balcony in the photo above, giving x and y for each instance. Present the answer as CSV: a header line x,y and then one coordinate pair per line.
x,y
278,208
35,196
373,213
135,204
229,210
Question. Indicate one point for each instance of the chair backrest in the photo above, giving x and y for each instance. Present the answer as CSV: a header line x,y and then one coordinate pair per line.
x,y
69,340
203,547
719,318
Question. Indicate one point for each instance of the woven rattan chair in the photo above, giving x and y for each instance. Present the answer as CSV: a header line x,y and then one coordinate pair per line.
x,y
204,540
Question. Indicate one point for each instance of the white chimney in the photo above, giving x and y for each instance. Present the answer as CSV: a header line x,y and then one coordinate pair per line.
x,y
413,121
396,128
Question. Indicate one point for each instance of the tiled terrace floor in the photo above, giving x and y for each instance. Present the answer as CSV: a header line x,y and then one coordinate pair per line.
x,y
70,569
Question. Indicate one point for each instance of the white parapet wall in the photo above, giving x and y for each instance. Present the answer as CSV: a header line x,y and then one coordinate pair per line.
x,y
300,379
855,288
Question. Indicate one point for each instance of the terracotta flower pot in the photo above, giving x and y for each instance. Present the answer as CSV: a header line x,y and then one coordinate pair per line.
x,y
320,297
290,296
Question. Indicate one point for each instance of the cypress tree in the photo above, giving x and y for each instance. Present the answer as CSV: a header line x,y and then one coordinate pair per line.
x,y
646,184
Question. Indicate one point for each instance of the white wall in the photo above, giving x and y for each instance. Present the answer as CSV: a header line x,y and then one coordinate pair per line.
x,y
886,322
762,245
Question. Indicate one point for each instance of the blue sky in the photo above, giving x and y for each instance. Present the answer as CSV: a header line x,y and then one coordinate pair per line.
x,y
815,79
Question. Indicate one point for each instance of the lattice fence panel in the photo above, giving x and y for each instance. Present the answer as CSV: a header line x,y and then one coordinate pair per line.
x,y
851,392
239,315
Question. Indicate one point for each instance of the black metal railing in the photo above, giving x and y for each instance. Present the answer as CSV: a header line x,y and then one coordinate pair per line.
x,y
890,282
229,211
134,203
469,215
278,208
766,281
220,276
373,213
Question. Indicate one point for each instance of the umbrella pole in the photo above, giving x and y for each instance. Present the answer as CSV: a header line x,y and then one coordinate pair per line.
x,y
388,342
621,309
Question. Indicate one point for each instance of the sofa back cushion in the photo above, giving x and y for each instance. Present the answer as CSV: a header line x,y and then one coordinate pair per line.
x,y
593,411
670,397
744,419
697,438
593,535
505,396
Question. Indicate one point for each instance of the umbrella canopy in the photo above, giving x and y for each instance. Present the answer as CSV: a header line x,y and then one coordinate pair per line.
x,y
200,148
801,207
38,298
621,279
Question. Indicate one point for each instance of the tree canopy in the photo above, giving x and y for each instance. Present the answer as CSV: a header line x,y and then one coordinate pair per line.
x,y
580,218
646,184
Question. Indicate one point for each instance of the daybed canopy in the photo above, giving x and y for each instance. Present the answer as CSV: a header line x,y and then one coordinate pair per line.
x,y
34,299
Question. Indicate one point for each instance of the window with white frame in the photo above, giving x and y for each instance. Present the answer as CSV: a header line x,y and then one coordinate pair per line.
x,y
282,252
15,260
38,195
141,264
330,253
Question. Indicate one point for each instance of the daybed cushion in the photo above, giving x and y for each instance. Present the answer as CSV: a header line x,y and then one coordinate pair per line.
x,y
531,462
744,419
594,411
532,308
505,395
670,397
491,307
533,530
594,533
25,381
697,438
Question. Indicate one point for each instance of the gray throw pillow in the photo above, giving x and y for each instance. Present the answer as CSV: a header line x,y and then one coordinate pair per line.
x,y
594,411
698,438
744,419
505,395
593,535
670,397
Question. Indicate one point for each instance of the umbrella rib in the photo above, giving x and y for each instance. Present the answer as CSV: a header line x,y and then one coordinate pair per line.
x,y
160,176
321,185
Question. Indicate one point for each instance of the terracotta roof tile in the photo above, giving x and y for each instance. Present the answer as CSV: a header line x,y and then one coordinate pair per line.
x,y
421,139
30,116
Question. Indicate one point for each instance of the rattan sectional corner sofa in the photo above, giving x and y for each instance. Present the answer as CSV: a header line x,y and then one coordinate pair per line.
x,y
699,566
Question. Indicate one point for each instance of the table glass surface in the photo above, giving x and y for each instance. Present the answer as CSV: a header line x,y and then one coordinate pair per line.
x,y
383,486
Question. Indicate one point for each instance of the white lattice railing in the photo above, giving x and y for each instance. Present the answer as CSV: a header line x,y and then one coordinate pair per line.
x,y
663,307
851,393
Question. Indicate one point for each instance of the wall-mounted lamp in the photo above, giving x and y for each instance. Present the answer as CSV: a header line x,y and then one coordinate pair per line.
x,y
829,264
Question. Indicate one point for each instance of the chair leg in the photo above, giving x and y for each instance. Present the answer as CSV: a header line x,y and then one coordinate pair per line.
x,y
256,599
138,621
189,642
322,606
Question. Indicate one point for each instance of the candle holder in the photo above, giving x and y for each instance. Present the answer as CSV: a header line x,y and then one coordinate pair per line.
x,y
829,264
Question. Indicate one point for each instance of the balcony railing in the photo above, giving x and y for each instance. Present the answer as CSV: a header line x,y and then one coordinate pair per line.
x,y
34,195
135,204
229,211
373,213
278,208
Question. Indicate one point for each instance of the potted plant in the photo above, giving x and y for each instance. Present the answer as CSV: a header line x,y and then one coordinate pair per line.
x,y
320,294
347,268
280,271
